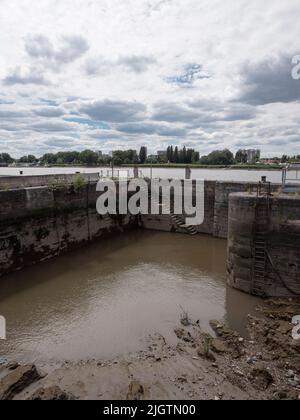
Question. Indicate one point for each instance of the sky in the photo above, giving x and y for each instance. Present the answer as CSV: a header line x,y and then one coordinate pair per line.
x,y
115,74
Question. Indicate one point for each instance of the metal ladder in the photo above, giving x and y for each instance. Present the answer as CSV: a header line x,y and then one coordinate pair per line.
x,y
260,257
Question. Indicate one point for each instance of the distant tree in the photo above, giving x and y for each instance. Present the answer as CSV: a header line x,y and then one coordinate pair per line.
x,y
6,158
241,157
189,156
184,155
195,157
88,157
176,155
28,159
126,157
219,157
48,159
172,154
143,154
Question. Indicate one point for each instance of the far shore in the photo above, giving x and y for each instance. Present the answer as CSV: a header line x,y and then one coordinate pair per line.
x,y
165,166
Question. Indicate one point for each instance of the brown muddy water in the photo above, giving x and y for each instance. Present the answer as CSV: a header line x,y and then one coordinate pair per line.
x,y
104,300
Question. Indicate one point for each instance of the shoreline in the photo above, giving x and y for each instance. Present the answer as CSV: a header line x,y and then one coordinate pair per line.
x,y
159,166
264,367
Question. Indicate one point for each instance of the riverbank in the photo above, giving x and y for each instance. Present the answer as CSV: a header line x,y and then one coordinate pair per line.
x,y
165,166
220,366
199,166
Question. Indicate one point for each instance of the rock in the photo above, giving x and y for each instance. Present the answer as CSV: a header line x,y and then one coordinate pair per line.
x,y
53,393
13,366
286,394
202,352
261,377
290,373
135,392
252,360
17,380
284,327
183,335
219,346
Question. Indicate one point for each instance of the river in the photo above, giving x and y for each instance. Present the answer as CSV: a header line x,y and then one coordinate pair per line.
x,y
207,174
105,299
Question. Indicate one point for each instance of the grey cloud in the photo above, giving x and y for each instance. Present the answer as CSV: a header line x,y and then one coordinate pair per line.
x,y
239,112
150,128
174,113
49,112
59,142
6,114
96,66
203,114
51,127
114,111
134,63
9,127
29,77
269,81
72,48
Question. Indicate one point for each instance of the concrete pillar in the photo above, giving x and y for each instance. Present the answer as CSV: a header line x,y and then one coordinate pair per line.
x,y
188,173
136,172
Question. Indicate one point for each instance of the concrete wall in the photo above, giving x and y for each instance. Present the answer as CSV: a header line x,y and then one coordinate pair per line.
x,y
165,222
20,182
216,209
40,223
282,276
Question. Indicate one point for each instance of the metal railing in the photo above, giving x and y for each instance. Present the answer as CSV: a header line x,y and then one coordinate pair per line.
x,y
291,177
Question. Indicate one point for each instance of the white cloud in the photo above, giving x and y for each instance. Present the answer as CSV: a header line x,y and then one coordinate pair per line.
x,y
205,72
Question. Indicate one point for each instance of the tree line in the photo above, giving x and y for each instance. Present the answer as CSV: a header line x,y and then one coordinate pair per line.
x,y
172,155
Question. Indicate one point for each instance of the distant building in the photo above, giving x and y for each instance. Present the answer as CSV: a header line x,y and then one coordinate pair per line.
x,y
152,157
162,154
253,155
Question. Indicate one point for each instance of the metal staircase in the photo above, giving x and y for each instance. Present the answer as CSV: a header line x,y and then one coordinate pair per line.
x,y
178,219
260,257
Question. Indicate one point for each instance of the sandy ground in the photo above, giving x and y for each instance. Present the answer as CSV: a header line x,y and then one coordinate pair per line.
x,y
199,367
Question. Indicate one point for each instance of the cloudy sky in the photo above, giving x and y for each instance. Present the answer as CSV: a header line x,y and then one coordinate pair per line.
x,y
107,74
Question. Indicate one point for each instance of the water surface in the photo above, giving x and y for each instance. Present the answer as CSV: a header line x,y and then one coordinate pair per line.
x,y
207,174
105,299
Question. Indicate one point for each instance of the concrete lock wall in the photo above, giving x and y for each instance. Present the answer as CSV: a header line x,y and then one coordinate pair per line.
x,y
40,223
282,243
20,182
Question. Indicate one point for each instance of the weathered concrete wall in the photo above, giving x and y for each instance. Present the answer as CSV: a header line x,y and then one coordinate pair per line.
x,y
282,236
167,224
40,223
20,182
216,209
221,204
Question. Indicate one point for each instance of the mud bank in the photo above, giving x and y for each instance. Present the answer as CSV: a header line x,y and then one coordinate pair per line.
x,y
223,366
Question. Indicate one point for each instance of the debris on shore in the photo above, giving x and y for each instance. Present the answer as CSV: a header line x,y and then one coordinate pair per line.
x,y
221,365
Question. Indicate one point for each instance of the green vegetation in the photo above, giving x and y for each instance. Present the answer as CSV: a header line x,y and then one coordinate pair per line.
x,y
171,157
78,183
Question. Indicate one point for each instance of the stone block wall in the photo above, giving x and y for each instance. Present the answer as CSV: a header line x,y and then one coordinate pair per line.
x,y
40,223
282,272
